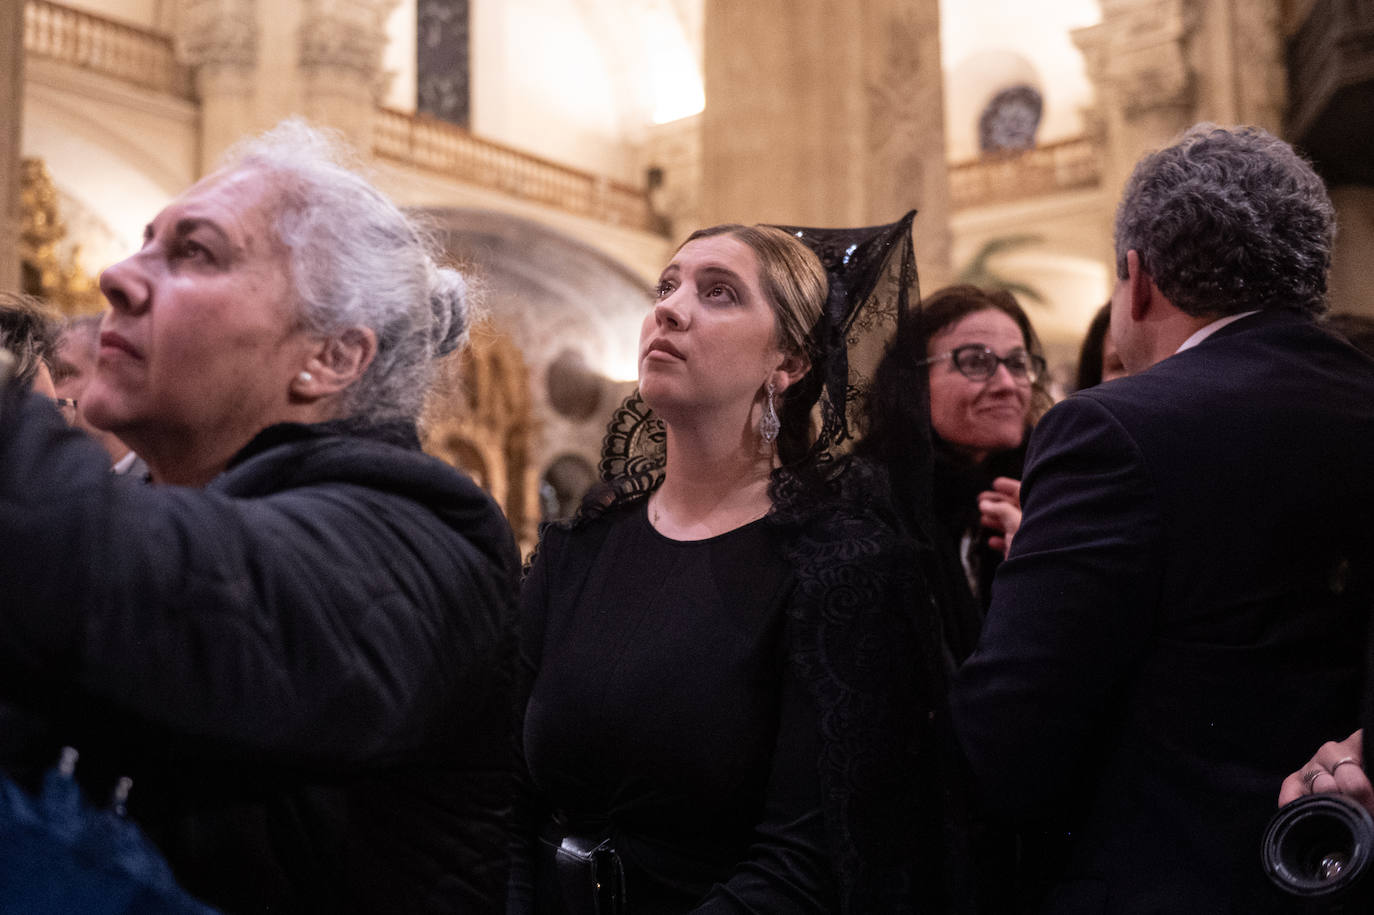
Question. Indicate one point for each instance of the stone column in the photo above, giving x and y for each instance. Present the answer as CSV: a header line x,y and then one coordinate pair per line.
x,y
818,118
1247,82
905,161
220,38
1138,60
12,89
340,59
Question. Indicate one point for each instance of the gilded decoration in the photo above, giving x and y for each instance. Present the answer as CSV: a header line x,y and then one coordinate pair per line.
x,y
483,424
47,273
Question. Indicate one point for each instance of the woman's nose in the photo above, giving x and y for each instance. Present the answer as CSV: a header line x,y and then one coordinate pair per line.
x,y
670,311
1002,377
126,286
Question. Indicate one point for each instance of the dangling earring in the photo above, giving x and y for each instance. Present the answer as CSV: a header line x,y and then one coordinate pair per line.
x,y
769,424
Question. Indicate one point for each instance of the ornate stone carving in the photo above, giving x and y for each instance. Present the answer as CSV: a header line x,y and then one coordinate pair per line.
x,y
1138,53
1009,122
344,37
896,113
219,34
904,89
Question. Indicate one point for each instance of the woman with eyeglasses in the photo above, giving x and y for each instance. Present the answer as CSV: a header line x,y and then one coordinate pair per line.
x,y
976,353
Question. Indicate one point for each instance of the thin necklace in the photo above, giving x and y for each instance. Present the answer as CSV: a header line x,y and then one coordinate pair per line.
x,y
656,513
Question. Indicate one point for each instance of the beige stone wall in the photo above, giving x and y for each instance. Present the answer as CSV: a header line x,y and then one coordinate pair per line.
x,y
1352,281
814,120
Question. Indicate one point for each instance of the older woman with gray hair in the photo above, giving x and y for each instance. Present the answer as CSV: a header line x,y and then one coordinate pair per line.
x,y
297,643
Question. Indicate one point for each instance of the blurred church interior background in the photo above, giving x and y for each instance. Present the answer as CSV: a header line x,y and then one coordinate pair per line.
x,y
561,149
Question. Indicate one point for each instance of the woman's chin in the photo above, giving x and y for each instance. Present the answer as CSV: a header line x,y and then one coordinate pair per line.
x,y
657,395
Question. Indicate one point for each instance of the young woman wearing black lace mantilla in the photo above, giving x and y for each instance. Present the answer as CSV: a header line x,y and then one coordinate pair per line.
x,y
729,686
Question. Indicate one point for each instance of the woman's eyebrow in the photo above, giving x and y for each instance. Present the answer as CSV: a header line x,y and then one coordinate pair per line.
x,y
716,270
189,224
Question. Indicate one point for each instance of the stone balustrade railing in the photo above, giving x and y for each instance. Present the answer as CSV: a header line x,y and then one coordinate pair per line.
x,y
1052,168
147,59
103,46
434,145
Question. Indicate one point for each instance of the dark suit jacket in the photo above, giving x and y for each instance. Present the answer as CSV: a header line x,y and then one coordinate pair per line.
x,y
1181,621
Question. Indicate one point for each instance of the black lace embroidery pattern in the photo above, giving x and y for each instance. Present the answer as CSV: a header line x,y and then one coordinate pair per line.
x,y
635,449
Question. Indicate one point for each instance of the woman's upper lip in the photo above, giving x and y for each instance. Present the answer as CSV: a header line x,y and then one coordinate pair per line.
x,y
665,347
110,339
1002,408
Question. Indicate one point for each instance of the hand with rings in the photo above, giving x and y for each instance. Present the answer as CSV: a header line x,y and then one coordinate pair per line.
x,y
1337,768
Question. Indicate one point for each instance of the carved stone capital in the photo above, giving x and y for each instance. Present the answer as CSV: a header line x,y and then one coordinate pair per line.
x,y
1138,53
344,37
219,34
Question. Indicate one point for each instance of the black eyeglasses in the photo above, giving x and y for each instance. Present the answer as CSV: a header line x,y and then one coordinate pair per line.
x,y
977,362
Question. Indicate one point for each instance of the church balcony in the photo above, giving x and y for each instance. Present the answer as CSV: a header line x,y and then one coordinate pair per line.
x,y
450,151
1053,168
131,57
105,47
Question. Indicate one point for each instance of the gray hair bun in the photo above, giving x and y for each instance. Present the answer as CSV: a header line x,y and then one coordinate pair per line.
x,y
448,300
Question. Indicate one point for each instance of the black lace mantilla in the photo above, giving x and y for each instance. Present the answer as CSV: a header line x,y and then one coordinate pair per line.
x,y
859,647
873,289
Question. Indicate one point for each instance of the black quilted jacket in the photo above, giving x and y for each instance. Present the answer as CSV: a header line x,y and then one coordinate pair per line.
x,y
305,666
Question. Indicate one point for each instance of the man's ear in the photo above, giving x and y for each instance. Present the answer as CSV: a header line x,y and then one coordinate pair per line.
x,y
336,363
1140,287
790,371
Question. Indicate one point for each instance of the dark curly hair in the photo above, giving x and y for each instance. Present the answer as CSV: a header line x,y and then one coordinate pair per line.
x,y
1229,220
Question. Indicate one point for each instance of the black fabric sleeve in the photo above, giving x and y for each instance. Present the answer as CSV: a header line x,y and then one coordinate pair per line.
x,y
788,869
529,812
1072,612
317,623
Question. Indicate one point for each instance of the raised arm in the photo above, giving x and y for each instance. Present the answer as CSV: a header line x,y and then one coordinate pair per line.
x,y
320,618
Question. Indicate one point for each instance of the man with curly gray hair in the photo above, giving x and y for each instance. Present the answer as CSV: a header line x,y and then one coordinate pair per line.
x,y
1181,617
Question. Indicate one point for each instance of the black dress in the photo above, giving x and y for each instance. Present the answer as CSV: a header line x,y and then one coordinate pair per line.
x,y
665,713
962,564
